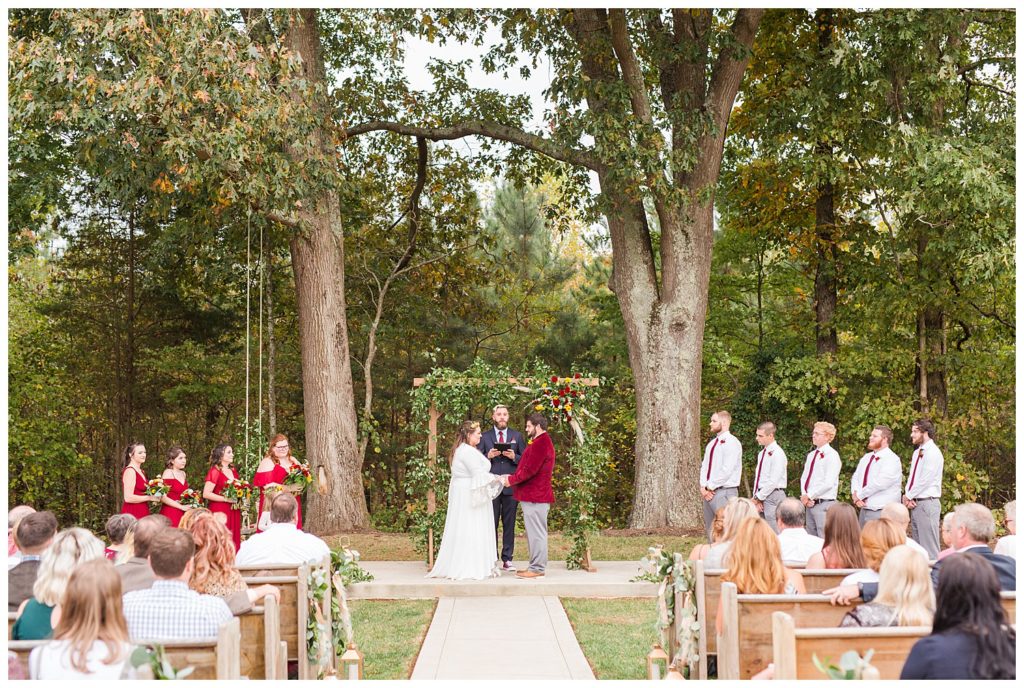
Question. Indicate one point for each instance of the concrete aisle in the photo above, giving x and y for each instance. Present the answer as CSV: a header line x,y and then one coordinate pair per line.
x,y
503,638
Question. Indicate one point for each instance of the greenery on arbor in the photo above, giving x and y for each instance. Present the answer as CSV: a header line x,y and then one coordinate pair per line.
x,y
863,246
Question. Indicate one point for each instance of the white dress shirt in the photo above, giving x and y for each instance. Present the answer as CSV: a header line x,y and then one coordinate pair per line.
x,y
884,474
281,543
722,469
798,545
924,476
1007,546
823,472
912,544
769,471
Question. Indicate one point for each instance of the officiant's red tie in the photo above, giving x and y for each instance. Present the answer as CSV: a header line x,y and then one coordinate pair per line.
x,y
501,437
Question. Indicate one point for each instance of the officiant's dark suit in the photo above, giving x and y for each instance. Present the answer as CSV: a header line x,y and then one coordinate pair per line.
x,y
504,504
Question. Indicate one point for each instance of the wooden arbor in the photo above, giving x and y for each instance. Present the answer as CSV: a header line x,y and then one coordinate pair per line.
x,y
526,385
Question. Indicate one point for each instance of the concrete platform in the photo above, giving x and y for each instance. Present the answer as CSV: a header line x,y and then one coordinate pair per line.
x,y
395,580
501,638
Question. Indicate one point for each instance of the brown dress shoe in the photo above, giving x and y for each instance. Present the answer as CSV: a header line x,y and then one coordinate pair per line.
x,y
529,574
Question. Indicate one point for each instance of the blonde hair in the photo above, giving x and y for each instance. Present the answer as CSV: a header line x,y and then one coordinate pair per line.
x,y
830,430
905,584
737,510
189,517
877,538
90,611
465,430
70,547
755,560
718,526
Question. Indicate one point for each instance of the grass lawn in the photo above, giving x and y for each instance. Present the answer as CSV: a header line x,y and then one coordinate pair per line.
x,y
389,633
615,635
619,545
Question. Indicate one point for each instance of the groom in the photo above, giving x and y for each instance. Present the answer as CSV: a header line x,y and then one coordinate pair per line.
x,y
531,486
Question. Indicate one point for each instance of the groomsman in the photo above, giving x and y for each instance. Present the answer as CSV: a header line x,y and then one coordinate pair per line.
x,y
769,475
819,483
503,463
924,487
879,476
720,469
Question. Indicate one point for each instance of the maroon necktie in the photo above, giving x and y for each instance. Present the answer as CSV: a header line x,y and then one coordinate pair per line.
x,y
711,457
868,469
501,436
811,472
760,462
920,453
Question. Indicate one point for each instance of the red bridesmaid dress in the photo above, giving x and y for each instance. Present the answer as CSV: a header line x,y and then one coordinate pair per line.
x,y
173,512
275,475
139,509
220,481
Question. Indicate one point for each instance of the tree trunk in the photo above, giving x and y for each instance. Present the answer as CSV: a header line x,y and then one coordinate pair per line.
x,y
929,366
318,261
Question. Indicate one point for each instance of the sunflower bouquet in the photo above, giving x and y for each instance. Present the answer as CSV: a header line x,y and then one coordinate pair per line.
x,y
191,498
299,477
239,490
157,487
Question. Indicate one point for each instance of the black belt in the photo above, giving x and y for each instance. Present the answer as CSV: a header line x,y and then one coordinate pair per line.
x,y
923,499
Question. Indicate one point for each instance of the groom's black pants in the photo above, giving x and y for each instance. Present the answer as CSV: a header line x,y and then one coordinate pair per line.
x,y
505,510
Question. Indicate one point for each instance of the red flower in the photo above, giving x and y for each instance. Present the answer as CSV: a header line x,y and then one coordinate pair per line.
x,y
574,393
577,376
554,402
554,378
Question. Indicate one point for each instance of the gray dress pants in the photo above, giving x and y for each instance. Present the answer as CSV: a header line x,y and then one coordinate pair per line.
x,y
924,525
771,503
815,518
535,519
720,499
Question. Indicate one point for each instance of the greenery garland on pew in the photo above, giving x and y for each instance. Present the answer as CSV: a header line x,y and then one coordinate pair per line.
x,y
456,394
344,566
675,573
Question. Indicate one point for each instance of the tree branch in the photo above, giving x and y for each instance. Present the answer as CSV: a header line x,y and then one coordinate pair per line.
x,y
984,84
494,130
631,72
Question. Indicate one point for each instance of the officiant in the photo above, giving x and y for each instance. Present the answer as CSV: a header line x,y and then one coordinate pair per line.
x,y
503,446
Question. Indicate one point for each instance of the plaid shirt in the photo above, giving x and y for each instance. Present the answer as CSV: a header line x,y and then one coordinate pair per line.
x,y
171,611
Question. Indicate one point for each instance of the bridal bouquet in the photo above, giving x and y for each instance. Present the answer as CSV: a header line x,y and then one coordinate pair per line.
x,y
191,498
157,487
299,477
239,490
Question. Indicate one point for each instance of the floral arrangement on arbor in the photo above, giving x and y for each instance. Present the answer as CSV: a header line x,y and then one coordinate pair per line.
x,y
563,397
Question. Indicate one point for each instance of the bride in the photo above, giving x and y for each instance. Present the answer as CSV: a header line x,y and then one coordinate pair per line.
x,y
468,545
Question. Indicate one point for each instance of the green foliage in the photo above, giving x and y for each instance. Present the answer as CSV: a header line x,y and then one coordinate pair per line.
x,y
851,666
155,658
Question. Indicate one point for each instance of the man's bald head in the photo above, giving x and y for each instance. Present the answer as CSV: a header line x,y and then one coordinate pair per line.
x,y
897,513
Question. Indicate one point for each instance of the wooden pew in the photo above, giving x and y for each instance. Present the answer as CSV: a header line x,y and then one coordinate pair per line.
x,y
709,587
214,658
793,648
261,641
744,648
11,618
1010,605
293,582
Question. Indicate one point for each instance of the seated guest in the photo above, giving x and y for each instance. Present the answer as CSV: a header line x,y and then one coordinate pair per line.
x,y
214,571
947,535
91,637
899,515
797,544
121,533
168,610
70,548
136,573
755,565
737,510
1007,545
842,548
282,542
905,595
34,534
971,636
973,527
876,539
14,516
189,516
717,534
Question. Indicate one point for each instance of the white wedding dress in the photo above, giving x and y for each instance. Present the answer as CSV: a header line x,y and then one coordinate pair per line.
x,y
468,546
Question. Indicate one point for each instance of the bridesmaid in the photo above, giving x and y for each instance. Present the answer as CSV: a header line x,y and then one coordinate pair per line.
x,y
133,482
273,470
216,479
177,481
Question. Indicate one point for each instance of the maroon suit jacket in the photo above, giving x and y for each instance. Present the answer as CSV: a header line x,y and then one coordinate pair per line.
x,y
532,480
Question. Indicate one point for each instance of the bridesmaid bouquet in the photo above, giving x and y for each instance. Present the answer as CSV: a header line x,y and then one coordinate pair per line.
x,y
157,487
299,477
239,490
191,498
